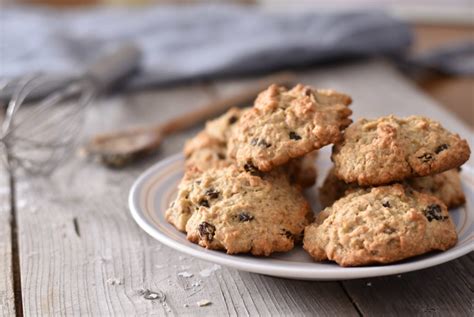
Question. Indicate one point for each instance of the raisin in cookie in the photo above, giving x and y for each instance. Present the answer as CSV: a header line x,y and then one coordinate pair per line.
x,y
241,212
222,127
389,149
445,186
286,124
182,207
380,225
208,149
204,152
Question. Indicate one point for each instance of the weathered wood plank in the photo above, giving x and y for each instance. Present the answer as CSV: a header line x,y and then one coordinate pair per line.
x,y
445,290
7,296
377,90
81,252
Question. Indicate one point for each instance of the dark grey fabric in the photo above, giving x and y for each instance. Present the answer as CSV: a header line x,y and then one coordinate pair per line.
x,y
189,42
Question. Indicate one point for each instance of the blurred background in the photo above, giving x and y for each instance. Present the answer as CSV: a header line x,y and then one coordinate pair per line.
x,y
432,40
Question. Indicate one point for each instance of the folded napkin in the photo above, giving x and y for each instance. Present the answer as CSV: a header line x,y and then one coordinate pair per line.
x,y
191,42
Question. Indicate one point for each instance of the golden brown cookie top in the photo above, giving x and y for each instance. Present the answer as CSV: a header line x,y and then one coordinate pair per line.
x,y
286,124
222,127
241,212
388,149
208,149
380,225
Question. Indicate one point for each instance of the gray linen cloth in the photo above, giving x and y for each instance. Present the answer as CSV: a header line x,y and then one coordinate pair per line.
x,y
191,42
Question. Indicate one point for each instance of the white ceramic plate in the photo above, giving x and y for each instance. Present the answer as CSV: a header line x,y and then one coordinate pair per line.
x,y
154,190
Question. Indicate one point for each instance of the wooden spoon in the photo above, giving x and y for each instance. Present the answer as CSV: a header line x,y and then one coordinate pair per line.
x,y
116,149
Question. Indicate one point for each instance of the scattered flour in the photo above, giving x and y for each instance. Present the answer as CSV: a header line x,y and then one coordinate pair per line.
x,y
204,302
152,295
185,274
207,272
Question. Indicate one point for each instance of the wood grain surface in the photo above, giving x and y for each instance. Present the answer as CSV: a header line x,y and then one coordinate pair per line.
x,y
81,253
444,290
454,93
7,298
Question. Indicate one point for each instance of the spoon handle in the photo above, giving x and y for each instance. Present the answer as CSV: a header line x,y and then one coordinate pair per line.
x,y
216,107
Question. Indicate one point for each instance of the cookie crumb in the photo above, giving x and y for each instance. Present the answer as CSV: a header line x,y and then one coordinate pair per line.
x,y
185,274
196,284
208,271
151,295
204,302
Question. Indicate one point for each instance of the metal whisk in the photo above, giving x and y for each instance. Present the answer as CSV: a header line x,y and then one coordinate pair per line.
x,y
39,139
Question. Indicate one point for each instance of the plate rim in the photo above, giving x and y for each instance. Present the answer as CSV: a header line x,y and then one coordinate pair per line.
x,y
280,270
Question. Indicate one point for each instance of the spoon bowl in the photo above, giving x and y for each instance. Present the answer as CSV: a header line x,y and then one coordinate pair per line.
x,y
117,149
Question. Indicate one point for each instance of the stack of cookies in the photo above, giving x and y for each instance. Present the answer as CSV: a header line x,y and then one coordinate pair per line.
x,y
245,173
388,192
242,188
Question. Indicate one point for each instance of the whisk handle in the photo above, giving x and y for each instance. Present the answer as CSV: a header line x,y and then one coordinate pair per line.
x,y
111,68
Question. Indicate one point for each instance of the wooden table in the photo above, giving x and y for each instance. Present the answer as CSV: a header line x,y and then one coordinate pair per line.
x,y
455,93
68,245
